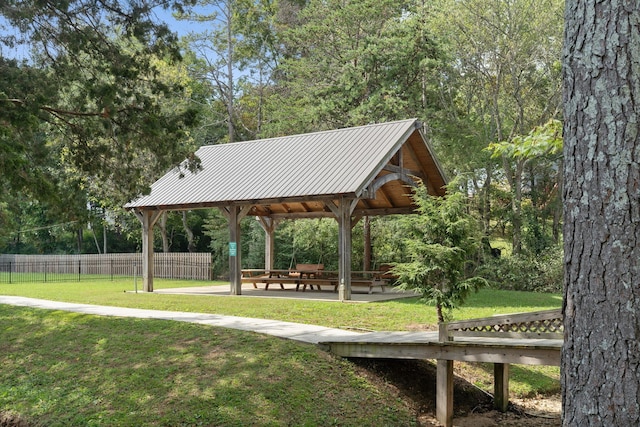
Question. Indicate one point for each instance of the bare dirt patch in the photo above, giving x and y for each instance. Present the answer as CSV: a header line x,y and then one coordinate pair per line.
x,y
415,382
10,419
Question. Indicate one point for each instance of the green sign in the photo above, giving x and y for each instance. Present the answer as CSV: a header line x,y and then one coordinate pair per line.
x,y
233,248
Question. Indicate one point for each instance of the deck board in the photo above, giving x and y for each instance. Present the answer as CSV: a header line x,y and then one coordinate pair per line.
x,y
425,345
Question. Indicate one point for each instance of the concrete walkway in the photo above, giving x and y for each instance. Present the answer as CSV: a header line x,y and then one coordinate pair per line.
x,y
295,331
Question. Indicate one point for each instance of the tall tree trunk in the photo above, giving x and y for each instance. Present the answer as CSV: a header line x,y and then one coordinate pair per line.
x,y
601,354
79,239
485,201
162,225
514,178
191,246
95,238
104,238
230,84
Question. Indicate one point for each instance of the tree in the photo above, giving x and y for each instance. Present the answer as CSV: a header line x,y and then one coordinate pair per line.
x,y
349,63
89,88
216,48
600,358
542,142
502,79
443,243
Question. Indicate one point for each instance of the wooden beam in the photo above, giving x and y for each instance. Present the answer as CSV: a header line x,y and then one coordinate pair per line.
x,y
501,386
444,392
253,202
398,169
462,351
269,226
360,212
343,211
148,219
396,176
382,194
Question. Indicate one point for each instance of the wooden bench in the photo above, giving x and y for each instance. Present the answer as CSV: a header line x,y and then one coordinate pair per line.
x,y
308,275
368,279
281,277
385,269
253,276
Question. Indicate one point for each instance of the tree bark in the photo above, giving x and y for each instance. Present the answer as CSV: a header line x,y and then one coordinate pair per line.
x,y
162,225
191,244
601,354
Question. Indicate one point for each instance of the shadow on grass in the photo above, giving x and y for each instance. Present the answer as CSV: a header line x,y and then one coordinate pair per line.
x,y
528,381
72,369
495,298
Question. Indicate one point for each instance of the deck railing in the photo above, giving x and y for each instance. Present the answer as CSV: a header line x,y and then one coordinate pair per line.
x,y
535,325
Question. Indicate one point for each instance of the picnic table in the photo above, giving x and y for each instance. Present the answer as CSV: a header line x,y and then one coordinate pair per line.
x,y
312,275
303,275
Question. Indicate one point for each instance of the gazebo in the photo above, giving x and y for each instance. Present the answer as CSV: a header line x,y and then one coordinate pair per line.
x,y
345,174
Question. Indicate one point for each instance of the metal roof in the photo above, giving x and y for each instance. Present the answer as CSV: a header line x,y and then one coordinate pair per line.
x,y
298,169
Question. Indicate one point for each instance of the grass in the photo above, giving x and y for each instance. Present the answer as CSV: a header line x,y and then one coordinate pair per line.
x,y
402,314
69,369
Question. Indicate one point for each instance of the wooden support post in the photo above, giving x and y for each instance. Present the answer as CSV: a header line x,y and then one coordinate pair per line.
x,y
269,226
345,255
235,258
235,214
501,386
343,211
344,240
444,392
148,220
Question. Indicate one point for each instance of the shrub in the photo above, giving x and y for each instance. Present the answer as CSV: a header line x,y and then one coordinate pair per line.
x,y
543,273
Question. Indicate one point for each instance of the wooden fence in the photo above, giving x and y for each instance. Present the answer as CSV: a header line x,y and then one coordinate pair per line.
x,y
196,266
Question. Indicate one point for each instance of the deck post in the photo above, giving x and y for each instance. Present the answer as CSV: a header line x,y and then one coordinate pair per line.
x,y
444,392
501,386
444,383
147,219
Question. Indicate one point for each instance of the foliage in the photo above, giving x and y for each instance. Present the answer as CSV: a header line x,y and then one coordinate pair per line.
x,y
541,141
91,89
107,99
542,146
501,79
443,246
527,272
349,63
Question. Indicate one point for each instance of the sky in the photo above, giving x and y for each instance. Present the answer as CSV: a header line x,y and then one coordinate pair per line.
x,y
182,28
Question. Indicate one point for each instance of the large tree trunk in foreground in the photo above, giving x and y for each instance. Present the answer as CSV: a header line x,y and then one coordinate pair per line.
x,y
601,355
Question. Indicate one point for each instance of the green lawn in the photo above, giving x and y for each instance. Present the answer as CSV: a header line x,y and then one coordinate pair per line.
x,y
67,369
402,314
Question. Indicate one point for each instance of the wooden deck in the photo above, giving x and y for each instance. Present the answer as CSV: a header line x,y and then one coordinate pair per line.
x,y
525,338
425,345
